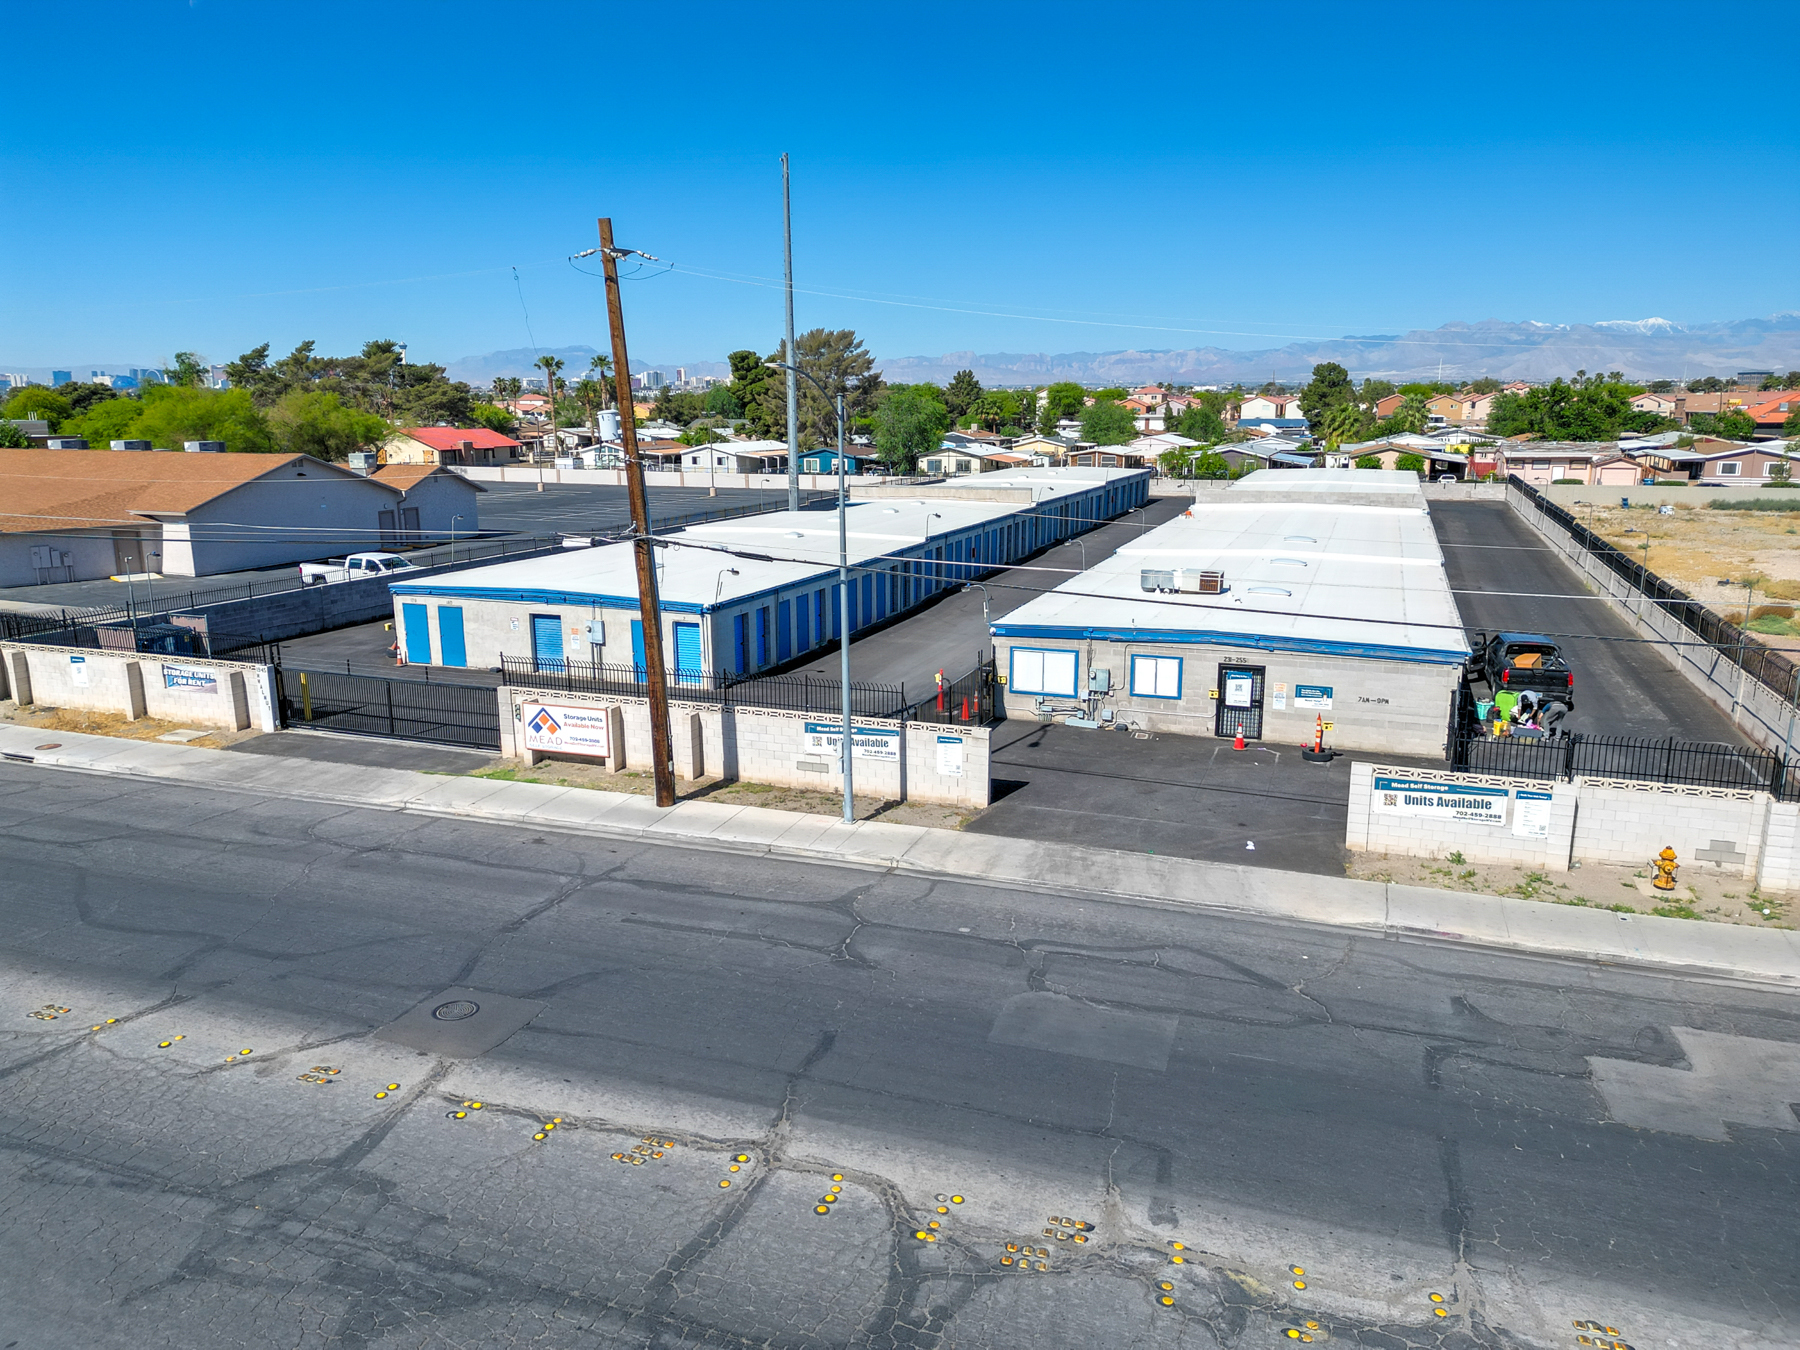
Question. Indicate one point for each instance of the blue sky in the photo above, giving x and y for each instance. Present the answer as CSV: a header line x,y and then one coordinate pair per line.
x,y
1024,177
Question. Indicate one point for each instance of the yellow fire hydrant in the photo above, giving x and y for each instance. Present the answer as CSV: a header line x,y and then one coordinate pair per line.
x,y
1665,870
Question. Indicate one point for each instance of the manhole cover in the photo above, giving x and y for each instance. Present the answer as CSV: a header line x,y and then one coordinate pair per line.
x,y
51,745
460,1021
456,1010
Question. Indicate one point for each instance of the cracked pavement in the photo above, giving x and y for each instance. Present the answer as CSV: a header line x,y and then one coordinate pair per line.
x,y
1332,1128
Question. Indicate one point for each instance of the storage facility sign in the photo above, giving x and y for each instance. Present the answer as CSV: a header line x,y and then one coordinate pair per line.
x,y
1531,815
1313,696
566,729
78,670
865,742
191,677
1445,801
950,756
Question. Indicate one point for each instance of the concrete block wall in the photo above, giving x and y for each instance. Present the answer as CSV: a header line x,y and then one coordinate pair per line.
x,y
134,685
765,745
1779,866
1629,823
1369,830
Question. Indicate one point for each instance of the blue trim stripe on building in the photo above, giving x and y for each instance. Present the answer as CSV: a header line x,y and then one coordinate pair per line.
x,y
1253,641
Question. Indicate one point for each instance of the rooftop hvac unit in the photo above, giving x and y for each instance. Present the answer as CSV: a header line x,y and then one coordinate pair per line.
x,y
1152,580
131,445
65,443
204,447
1200,583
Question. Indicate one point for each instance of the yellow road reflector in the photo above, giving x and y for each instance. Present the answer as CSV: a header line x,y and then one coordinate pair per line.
x,y
1012,1246
1164,1284
943,1209
551,1125
1299,1284
617,1157
734,1167
540,1135
1167,1302
475,1106
460,1115
1042,1266
932,1224
1006,1260
392,1087
380,1095
835,1176
921,1234
931,1237
1081,1237
1177,1260
821,1209
1297,1270
164,1045
1179,1246
182,1037
1292,1333
111,1020
1437,1298
1312,1326
724,1184
1440,1312
956,1200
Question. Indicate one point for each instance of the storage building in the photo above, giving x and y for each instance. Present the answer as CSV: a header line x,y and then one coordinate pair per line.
x,y
750,594
1293,595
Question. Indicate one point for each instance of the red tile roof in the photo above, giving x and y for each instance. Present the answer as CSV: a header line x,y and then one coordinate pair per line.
x,y
446,438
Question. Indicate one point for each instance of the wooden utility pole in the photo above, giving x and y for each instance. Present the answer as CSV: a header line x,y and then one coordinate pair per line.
x,y
644,551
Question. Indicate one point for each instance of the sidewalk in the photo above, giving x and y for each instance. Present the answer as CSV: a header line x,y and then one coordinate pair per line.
x,y
1766,955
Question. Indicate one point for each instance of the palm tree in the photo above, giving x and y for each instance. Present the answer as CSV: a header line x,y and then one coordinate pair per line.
x,y
551,366
599,368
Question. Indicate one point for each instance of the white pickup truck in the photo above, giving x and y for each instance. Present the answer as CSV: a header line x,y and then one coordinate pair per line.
x,y
354,568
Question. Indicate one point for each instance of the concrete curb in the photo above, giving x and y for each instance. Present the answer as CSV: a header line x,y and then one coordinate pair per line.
x,y
1677,945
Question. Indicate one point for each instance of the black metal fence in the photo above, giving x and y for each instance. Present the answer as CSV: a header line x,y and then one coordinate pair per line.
x,y
1767,666
367,705
786,693
1473,749
970,700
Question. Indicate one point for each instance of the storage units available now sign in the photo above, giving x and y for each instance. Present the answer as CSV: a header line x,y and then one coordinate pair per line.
x,y
565,729
865,742
1432,797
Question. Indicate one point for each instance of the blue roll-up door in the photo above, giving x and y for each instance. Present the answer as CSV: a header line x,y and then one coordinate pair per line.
x,y
801,642
688,661
637,647
784,630
416,620
547,641
450,636
740,644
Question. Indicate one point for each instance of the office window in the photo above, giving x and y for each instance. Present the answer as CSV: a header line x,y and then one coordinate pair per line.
x,y
1156,676
1037,670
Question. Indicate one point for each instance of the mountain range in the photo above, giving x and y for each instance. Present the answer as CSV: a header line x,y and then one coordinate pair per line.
x,y
1642,348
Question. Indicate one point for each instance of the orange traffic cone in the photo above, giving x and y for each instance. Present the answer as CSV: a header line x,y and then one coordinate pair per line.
x,y
1238,744
1319,734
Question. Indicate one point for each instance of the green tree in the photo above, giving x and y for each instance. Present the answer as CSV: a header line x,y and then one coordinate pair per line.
x,y
702,435
722,402
13,437
1661,386
311,422
187,369
961,393
836,359
1064,399
1487,384
1368,461
106,421
1732,425
1584,409
1710,384
909,422
1110,395
493,417
1373,391
1201,423
1108,423
176,413
1329,388
1342,423
1175,464
37,403
1209,463
552,368
994,408
678,406
1791,427
599,372
1410,464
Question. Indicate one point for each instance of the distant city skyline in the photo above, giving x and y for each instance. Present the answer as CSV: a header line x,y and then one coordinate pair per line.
x,y
1147,213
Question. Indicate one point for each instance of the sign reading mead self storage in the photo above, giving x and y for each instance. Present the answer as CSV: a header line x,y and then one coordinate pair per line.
x,y
565,729
1398,796
865,742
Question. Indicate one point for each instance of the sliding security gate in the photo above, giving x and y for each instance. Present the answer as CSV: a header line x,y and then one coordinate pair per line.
x,y
410,710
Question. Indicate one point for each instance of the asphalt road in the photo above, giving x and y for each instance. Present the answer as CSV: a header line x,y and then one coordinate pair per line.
x,y
1622,687
1394,1120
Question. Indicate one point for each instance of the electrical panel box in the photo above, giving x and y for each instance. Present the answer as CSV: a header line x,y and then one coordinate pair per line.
x,y
596,632
1099,680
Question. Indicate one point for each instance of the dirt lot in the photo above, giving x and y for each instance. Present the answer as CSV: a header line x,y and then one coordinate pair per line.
x,y
115,724
568,774
1701,891
1709,553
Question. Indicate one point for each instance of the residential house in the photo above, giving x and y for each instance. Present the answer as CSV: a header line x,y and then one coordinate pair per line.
x,y
1761,462
1541,463
1770,415
1148,415
81,515
1042,450
1663,405
449,445
529,407
825,460
976,439
1437,459
1110,457
1387,407
1278,410
740,457
955,460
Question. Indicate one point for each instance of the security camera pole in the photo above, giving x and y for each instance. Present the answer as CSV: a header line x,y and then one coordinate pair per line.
x,y
642,548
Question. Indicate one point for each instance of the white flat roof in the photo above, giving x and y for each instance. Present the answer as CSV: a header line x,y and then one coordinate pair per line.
x,y
1302,575
790,548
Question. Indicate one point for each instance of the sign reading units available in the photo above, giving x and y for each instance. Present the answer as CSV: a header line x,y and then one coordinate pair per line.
x,y
1531,817
1446,801
565,730
191,677
1313,696
827,738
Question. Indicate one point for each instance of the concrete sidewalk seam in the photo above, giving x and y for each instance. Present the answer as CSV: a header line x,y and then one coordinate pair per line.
x,y
1374,908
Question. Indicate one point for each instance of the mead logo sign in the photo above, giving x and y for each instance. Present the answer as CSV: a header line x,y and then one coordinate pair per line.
x,y
1433,797
565,730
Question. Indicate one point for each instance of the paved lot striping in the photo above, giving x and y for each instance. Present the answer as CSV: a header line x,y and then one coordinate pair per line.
x,y
1621,688
1397,1119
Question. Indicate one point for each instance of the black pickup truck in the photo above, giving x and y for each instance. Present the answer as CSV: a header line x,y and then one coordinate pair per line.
x,y
1521,661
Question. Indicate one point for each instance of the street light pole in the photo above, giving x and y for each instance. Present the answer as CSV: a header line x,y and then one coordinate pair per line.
x,y
793,368
837,402
453,520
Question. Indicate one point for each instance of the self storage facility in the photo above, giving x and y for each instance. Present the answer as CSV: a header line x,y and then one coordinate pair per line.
x,y
747,595
1297,594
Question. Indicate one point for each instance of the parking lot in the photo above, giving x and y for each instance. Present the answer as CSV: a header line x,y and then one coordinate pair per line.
x,y
1505,577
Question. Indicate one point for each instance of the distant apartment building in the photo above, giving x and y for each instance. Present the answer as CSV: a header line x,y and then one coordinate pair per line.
x,y
60,377
16,381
